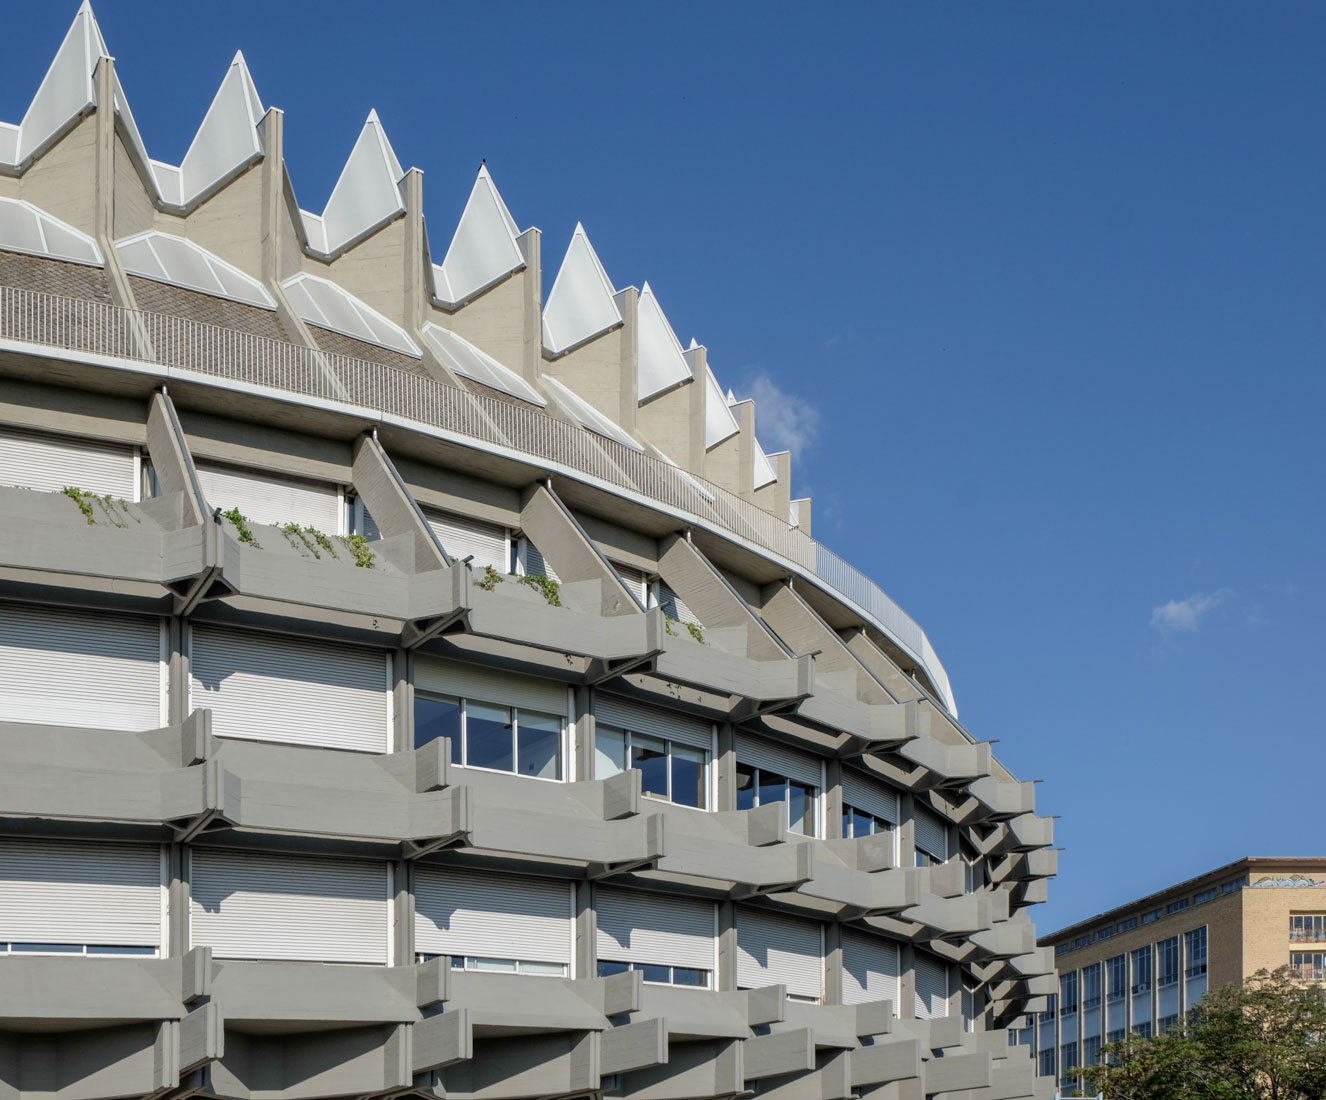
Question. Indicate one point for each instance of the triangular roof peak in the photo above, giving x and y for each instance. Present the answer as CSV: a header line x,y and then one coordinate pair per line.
x,y
367,192
661,364
484,248
582,302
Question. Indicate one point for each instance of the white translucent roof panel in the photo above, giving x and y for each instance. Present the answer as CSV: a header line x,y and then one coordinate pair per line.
x,y
9,134
24,228
321,302
662,363
467,360
174,260
366,194
484,247
589,416
67,87
719,423
228,136
582,303
765,474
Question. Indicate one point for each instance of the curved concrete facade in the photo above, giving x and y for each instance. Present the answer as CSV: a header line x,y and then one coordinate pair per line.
x,y
378,718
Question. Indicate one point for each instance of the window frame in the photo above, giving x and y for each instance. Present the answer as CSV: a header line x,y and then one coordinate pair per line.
x,y
813,801
513,711
628,736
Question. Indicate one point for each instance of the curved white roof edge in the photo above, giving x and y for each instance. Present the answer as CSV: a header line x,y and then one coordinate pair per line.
x,y
589,416
660,364
28,228
583,301
477,365
167,258
367,192
329,305
484,247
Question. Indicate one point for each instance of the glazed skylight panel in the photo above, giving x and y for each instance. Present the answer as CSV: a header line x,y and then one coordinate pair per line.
x,y
25,228
589,416
473,363
661,364
366,194
582,303
174,260
719,423
483,249
321,302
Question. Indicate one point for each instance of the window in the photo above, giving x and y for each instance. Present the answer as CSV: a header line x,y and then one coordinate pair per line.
x,y
1047,1063
1155,914
1128,925
91,950
486,735
659,975
1116,977
1308,965
669,769
1081,942
1067,1063
1194,973
1167,961
1091,986
1175,906
1106,932
1166,1022
1061,949
1237,884
859,823
1307,927
1142,970
1090,1050
502,966
1144,1030
759,786
1068,993
1206,895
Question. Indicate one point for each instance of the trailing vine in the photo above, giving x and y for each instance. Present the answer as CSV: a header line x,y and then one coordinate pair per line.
x,y
491,579
694,631
116,512
83,500
358,547
668,620
241,524
313,540
550,588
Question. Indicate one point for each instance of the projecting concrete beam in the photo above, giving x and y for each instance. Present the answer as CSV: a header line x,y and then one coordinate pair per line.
x,y
392,506
571,552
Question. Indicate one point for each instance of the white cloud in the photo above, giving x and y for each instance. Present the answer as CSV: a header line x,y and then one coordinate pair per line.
x,y
783,421
1186,615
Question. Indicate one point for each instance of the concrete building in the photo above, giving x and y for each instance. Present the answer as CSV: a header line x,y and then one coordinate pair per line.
x,y
411,684
1140,967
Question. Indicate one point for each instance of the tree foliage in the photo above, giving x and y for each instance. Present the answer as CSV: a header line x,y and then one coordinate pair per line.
x,y
1263,1040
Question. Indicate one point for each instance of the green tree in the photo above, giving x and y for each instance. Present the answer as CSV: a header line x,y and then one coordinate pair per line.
x,y
1262,1040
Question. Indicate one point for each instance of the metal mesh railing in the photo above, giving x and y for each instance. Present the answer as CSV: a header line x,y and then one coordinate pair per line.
x,y
75,324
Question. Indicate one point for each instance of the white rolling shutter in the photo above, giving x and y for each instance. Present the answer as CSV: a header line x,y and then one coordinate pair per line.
x,y
613,710
461,536
675,606
774,948
66,892
253,905
932,976
490,685
49,463
263,498
462,912
801,766
266,687
532,562
634,579
931,833
664,930
870,969
870,796
64,667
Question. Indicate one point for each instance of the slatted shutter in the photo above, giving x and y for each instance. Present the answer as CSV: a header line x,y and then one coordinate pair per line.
x,y
870,796
461,536
490,685
932,986
634,579
870,968
462,912
66,892
532,562
267,687
674,606
761,753
263,498
252,905
614,710
49,462
64,667
931,833
661,929
774,948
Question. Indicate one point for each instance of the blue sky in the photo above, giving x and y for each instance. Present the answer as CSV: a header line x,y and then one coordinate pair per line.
x,y
1036,289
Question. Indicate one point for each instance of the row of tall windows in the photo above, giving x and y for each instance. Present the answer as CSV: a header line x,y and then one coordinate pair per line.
x,y
1307,927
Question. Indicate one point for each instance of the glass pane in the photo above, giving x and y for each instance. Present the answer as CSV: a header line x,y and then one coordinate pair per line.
x,y
488,737
862,824
682,975
745,786
773,788
800,810
434,717
688,775
539,745
608,967
552,969
503,966
49,948
609,751
119,949
652,973
847,822
649,756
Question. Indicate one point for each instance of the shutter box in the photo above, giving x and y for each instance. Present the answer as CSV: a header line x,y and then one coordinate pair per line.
x,y
870,969
48,463
871,796
461,536
615,710
663,930
96,669
269,687
490,685
65,892
253,905
773,948
485,915
931,833
263,498
762,753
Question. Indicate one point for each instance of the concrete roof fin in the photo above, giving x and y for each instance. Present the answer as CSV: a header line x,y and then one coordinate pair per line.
x,y
661,362
366,194
582,302
484,247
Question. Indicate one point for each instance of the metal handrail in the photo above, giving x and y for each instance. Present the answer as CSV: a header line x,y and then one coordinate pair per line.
x,y
81,325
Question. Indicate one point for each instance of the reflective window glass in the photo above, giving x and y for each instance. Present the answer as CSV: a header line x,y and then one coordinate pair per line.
x,y
488,742
800,809
437,716
745,786
539,747
609,751
688,775
649,756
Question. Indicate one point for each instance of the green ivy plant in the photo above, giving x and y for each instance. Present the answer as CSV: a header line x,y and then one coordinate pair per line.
x,y
116,512
241,524
550,588
313,540
358,547
83,500
694,631
491,579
